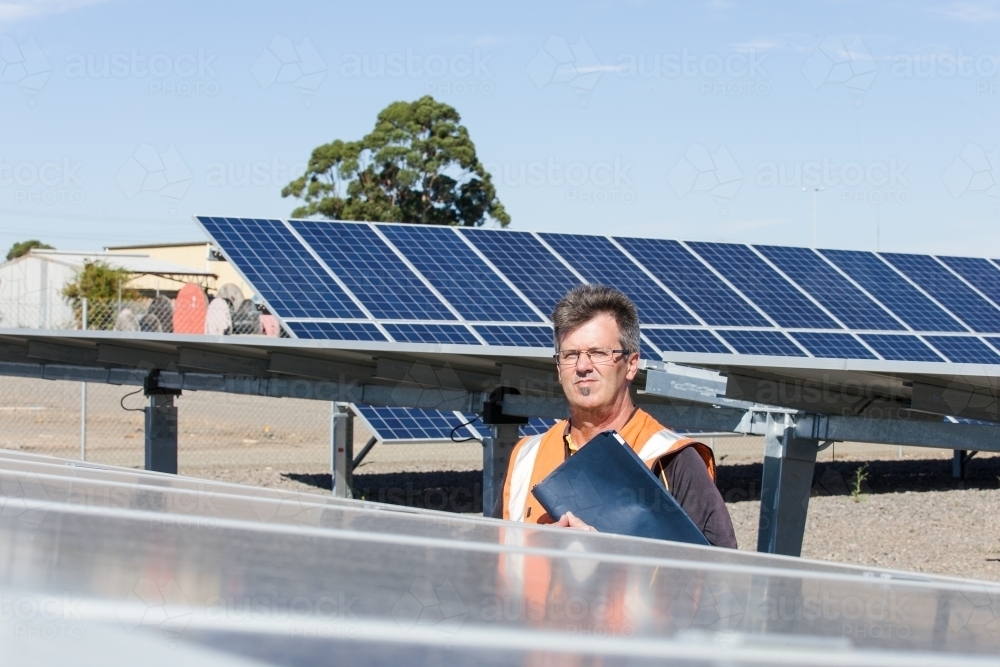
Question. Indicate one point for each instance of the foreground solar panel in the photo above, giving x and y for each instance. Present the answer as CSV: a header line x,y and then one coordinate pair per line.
x,y
230,575
420,285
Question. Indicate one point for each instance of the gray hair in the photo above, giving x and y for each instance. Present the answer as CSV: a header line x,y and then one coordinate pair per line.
x,y
585,302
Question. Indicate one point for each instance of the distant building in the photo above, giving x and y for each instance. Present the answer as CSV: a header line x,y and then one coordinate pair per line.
x,y
201,256
31,285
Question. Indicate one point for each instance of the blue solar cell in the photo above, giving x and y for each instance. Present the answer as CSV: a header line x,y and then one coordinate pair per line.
x,y
537,426
772,343
852,306
951,292
372,271
833,345
980,273
964,349
526,263
391,423
686,340
693,283
336,331
455,270
893,291
599,261
896,347
646,351
280,268
515,336
431,333
764,286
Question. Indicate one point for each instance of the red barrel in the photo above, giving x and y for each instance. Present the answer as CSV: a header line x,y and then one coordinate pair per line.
x,y
190,309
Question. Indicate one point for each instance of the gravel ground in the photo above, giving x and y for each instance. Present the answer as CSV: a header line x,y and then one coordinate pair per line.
x,y
910,513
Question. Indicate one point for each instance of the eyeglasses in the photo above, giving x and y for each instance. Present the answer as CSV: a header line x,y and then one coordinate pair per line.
x,y
597,355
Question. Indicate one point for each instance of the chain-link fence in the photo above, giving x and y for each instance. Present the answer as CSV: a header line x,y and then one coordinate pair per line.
x,y
220,436
190,312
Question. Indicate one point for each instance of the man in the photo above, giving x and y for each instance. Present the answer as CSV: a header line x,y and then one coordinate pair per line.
x,y
597,357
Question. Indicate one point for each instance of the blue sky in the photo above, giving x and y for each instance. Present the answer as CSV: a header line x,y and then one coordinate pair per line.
x,y
699,121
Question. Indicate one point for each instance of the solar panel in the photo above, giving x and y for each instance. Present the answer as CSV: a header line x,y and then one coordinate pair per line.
x,y
527,263
942,284
515,335
980,273
372,271
646,351
536,426
432,333
280,268
764,286
686,340
832,345
468,283
391,423
892,291
693,283
313,305
900,347
837,294
336,330
599,261
964,349
772,343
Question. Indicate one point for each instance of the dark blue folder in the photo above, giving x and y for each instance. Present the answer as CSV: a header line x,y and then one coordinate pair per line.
x,y
608,486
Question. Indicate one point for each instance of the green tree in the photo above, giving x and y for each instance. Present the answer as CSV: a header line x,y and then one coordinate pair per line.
x,y
23,247
99,283
418,165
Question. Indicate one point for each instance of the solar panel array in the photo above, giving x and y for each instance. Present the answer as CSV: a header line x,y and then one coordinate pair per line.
x,y
404,283
394,424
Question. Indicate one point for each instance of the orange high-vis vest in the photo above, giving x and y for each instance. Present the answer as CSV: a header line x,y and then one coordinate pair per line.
x,y
534,457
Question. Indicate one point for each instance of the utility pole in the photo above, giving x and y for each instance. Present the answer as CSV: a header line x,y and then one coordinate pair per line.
x,y
815,227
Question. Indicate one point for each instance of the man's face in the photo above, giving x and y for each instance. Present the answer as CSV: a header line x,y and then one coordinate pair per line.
x,y
591,386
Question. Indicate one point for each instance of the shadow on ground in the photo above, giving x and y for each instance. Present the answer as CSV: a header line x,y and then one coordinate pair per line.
x,y
742,482
463,491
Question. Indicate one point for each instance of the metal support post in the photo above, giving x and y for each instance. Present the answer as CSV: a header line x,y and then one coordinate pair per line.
x,y
364,452
341,448
83,421
496,457
83,389
788,472
161,434
959,458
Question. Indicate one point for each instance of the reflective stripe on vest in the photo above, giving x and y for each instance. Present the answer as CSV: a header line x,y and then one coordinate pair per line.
x,y
658,444
520,478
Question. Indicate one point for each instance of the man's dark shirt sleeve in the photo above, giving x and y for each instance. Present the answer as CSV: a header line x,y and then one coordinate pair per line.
x,y
697,494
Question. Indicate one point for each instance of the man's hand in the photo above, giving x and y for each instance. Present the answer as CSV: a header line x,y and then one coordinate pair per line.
x,y
568,520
